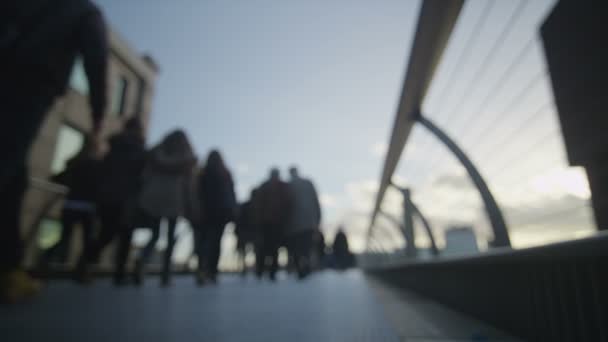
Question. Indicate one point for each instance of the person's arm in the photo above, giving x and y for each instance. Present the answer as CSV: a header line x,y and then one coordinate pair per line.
x,y
317,204
94,50
235,206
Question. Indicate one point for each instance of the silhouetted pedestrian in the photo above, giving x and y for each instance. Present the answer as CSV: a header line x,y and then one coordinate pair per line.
x,y
39,41
342,257
194,214
165,180
274,206
119,184
81,176
219,205
303,222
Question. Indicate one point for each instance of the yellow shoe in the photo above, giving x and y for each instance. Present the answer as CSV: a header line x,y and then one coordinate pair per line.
x,y
17,285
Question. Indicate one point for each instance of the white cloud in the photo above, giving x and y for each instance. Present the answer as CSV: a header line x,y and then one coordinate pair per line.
x,y
328,200
242,168
362,194
378,149
560,180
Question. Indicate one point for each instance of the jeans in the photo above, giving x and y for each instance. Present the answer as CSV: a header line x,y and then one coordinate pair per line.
x,y
154,225
70,218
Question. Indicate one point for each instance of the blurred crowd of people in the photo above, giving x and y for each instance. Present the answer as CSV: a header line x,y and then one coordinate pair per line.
x,y
130,186
287,214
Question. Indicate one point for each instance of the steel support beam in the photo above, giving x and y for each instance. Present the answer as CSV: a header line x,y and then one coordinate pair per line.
x,y
408,224
427,227
435,24
415,212
499,227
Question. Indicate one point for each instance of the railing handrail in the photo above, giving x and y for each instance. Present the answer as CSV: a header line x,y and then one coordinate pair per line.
x,y
588,246
435,24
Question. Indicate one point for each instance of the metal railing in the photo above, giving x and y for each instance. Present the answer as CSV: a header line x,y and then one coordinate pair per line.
x,y
554,292
548,293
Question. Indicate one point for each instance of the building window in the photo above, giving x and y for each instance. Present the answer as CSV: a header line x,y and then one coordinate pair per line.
x,y
49,233
119,96
78,78
69,142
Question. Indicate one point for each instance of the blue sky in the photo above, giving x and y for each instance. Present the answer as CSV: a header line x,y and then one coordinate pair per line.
x,y
316,83
275,83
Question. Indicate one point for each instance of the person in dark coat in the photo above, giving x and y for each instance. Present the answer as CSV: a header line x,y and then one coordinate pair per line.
x,y
81,177
274,209
218,202
119,184
39,42
304,222
342,257
165,180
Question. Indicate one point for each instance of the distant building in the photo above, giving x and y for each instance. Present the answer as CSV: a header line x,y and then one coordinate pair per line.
x,y
460,241
131,86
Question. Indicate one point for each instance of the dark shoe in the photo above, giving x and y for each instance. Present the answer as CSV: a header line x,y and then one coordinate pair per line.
x,y
17,286
165,282
138,277
119,280
83,275
201,278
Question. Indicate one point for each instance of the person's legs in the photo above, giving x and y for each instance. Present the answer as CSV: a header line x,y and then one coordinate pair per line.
x,y
166,272
149,249
260,256
11,198
301,246
293,252
69,219
60,250
273,253
22,116
87,221
110,218
122,254
305,251
216,232
199,249
15,283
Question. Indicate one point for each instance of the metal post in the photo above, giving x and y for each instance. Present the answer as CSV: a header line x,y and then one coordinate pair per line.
x,y
408,224
415,211
425,223
427,227
501,234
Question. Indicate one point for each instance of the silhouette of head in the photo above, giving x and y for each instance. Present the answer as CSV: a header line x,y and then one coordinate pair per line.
x,y
293,171
176,142
215,161
275,174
